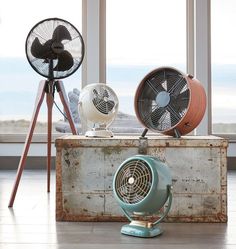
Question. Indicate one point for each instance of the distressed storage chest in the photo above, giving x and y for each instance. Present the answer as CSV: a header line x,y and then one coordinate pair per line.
x,y
85,169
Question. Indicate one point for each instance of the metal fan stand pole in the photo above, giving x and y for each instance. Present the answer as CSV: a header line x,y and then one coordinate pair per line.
x,y
50,90
47,87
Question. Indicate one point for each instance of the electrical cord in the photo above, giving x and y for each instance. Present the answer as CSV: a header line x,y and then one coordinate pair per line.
x,y
60,110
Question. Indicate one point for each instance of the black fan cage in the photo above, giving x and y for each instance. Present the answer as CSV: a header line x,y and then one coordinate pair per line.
x,y
154,110
43,31
133,181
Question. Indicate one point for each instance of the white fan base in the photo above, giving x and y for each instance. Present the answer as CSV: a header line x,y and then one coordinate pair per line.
x,y
98,133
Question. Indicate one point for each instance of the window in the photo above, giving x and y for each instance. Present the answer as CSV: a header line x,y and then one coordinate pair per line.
x,y
141,36
18,81
223,39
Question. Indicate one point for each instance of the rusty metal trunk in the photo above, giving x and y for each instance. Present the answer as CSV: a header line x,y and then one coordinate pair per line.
x,y
85,169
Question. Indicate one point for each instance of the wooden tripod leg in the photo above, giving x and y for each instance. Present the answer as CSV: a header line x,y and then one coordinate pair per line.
x,y
49,98
38,103
63,97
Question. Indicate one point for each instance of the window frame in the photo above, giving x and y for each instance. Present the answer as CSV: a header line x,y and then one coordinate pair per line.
x,y
12,138
94,64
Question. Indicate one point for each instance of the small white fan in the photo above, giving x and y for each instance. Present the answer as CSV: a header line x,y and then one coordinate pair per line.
x,y
98,104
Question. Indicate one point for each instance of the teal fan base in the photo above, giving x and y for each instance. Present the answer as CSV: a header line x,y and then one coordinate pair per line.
x,y
143,232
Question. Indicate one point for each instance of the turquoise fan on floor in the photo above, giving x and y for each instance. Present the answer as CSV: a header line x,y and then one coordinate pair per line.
x,y
142,187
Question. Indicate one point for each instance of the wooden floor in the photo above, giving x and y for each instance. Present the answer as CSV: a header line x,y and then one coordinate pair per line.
x,y
31,223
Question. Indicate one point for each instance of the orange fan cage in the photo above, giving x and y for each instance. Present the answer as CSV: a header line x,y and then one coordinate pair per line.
x,y
170,102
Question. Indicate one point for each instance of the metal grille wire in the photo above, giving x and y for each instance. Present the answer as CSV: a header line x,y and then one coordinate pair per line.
x,y
163,118
44,31
133,181
103,99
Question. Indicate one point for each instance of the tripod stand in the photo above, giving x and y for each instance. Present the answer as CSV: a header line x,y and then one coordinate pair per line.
x,y
47,87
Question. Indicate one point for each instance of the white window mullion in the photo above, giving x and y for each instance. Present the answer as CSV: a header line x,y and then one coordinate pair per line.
x,y
93,68
202,58
190,35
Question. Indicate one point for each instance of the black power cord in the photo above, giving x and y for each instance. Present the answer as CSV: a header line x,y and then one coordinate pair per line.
x,y
60,110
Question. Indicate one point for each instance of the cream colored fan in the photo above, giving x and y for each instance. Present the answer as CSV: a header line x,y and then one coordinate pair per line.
x,y
98,104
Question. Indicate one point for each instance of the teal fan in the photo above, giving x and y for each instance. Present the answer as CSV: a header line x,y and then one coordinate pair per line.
x,y
142,186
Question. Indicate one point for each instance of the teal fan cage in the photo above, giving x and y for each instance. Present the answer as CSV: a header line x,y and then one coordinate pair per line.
x,y
142,187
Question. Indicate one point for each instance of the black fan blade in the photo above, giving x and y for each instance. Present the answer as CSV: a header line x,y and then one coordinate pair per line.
x,y
179,84
169,76
156,115
97,100
61,33
105,93
180,103
155,86
170,81
110,105
182,100
65,61
173,120
168,85
95,92
174,115
103,106
166,80
41,51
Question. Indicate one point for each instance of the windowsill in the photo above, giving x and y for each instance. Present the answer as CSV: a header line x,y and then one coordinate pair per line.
x,y
20,138
230,137
42,138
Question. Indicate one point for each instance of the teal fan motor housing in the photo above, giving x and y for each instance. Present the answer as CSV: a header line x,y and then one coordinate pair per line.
x,y
142,186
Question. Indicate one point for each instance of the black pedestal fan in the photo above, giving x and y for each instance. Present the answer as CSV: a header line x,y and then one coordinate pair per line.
x,y
55,50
